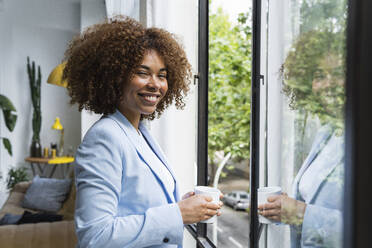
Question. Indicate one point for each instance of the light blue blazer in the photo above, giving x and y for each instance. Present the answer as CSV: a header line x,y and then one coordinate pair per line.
x,y
322,224
121,199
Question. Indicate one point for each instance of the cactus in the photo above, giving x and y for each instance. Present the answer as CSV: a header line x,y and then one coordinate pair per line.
x,y
35,84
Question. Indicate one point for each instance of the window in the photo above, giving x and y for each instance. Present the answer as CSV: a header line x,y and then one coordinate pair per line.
x,y
224,124
243,196
297,119
229,117
302,127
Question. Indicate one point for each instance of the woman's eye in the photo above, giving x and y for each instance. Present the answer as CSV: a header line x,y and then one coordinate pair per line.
x,y
163,76
142,73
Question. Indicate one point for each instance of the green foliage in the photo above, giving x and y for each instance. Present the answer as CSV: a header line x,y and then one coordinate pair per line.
x,y
8,146
8,108
322,14
314,69
10,119
229,85
35,86
15,176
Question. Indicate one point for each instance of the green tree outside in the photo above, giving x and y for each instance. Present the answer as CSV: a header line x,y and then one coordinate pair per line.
x,y
229,87
314,69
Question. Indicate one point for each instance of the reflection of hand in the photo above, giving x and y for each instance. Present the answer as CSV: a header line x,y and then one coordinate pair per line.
x,y
196,208
284,209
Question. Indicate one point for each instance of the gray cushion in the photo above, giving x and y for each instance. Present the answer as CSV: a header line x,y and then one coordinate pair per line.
x,y
46,194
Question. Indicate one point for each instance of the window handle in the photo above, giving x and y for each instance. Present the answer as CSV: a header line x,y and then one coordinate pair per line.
x,y
262,79
196,77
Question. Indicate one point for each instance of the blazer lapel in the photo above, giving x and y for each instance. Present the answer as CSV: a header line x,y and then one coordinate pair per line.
x,y
331,156
319,142
135,139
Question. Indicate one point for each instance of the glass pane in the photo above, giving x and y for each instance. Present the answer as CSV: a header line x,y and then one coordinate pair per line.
x,y
229,118
305,73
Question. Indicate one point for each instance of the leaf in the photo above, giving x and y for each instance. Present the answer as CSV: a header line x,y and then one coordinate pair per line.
x,y
10,120
8,146
6,104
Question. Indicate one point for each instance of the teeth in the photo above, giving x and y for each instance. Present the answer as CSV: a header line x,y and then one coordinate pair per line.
x,y
150,98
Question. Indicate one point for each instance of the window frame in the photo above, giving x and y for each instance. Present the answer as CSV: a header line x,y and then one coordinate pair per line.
x,y
199,230
358,121
255,227
358,133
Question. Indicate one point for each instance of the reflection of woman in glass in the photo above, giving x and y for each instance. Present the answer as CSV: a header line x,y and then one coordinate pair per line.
x,y
313,79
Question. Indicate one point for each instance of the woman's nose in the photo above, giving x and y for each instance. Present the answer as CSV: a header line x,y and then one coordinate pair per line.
x,y
154,82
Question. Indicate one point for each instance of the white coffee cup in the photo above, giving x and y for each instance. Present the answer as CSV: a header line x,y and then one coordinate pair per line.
x,y
212,192
263,193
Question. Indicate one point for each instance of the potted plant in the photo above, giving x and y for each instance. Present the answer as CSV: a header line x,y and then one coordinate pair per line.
x,y
15,176
35,85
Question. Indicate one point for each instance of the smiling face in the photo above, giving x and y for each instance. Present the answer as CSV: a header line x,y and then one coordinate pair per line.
x,y
144,90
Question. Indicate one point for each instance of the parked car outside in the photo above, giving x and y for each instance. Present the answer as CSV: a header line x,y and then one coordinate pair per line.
x,y
238,200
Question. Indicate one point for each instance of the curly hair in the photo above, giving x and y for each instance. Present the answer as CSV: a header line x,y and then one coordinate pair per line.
x,y
104,57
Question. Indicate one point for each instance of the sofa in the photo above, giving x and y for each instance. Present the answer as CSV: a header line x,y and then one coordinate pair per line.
x,y
59,234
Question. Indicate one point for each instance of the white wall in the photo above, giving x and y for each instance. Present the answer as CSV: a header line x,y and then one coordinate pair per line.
x,y
40,29
92,12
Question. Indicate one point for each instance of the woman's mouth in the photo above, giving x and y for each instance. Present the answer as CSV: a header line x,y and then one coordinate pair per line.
x,y
149,98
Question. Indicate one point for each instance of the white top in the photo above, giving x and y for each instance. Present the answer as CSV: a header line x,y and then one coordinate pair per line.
x,y
167,177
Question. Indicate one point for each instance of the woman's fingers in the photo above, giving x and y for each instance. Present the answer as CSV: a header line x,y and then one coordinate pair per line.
x,y
270,212
208,198
197,208
211,212
213,206
272,202
267,206
273,198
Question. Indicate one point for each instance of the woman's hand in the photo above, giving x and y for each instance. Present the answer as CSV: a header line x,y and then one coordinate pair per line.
x,y
188,194
195,208
283,209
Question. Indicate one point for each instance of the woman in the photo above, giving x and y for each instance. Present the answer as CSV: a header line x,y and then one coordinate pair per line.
x,y
127,195
313,81
315,210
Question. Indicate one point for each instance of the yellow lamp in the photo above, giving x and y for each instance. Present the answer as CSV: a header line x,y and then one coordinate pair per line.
x,y
58,126
55,76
